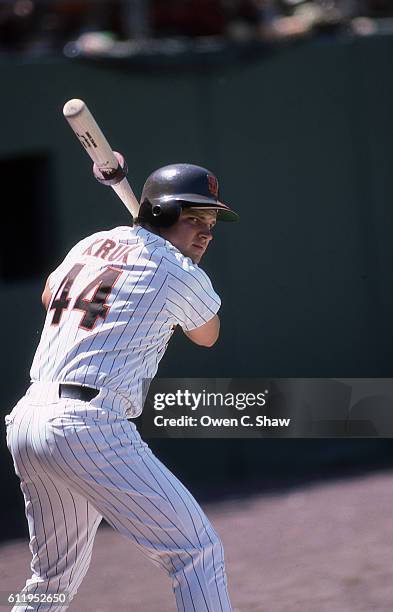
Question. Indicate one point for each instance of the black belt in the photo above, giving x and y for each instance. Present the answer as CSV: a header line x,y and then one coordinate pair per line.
x,y
77,392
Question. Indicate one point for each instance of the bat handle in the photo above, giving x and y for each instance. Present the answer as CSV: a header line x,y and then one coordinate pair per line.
x,y
127,196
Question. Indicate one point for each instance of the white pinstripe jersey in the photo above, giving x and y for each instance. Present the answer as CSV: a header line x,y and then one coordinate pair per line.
x,y
115,299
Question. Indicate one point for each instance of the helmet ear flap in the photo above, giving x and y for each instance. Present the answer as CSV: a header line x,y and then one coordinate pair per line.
x,y
161,214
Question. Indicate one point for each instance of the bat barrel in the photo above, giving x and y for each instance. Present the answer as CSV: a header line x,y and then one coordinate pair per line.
x,y
97,147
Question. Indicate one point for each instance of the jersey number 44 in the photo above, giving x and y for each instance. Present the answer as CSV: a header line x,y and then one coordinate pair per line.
x,y
93,307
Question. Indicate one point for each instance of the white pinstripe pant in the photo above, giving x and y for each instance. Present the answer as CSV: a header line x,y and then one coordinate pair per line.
x,y
78,463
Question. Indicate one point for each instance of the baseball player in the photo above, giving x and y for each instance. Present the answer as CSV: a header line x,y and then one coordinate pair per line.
x,y
112,305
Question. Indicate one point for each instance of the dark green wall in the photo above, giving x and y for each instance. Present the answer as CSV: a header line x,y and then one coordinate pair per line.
x,y
301,141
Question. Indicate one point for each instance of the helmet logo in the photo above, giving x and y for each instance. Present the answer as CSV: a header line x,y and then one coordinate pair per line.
x,y
213,185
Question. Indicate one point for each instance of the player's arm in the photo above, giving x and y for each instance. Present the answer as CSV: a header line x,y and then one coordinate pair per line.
x,y
207,334
192,301
46,295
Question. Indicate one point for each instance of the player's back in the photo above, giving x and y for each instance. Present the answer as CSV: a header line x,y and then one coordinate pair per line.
x,y
107,322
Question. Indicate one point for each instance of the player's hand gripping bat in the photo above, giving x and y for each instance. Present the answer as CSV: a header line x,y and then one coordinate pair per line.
x,y
109,166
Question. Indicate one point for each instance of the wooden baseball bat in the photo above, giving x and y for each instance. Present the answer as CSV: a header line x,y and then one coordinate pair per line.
x,y
93,140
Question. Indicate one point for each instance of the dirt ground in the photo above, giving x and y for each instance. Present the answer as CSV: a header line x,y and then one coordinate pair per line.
x,y
325,547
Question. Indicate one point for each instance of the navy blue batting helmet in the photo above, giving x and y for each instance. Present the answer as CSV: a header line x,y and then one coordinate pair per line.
x,y
169,189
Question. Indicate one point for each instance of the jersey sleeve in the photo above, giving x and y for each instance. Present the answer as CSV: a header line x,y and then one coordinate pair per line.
x,y
191,299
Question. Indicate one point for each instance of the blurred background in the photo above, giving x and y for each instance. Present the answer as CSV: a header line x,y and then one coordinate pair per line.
x,y
290,103
90,26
